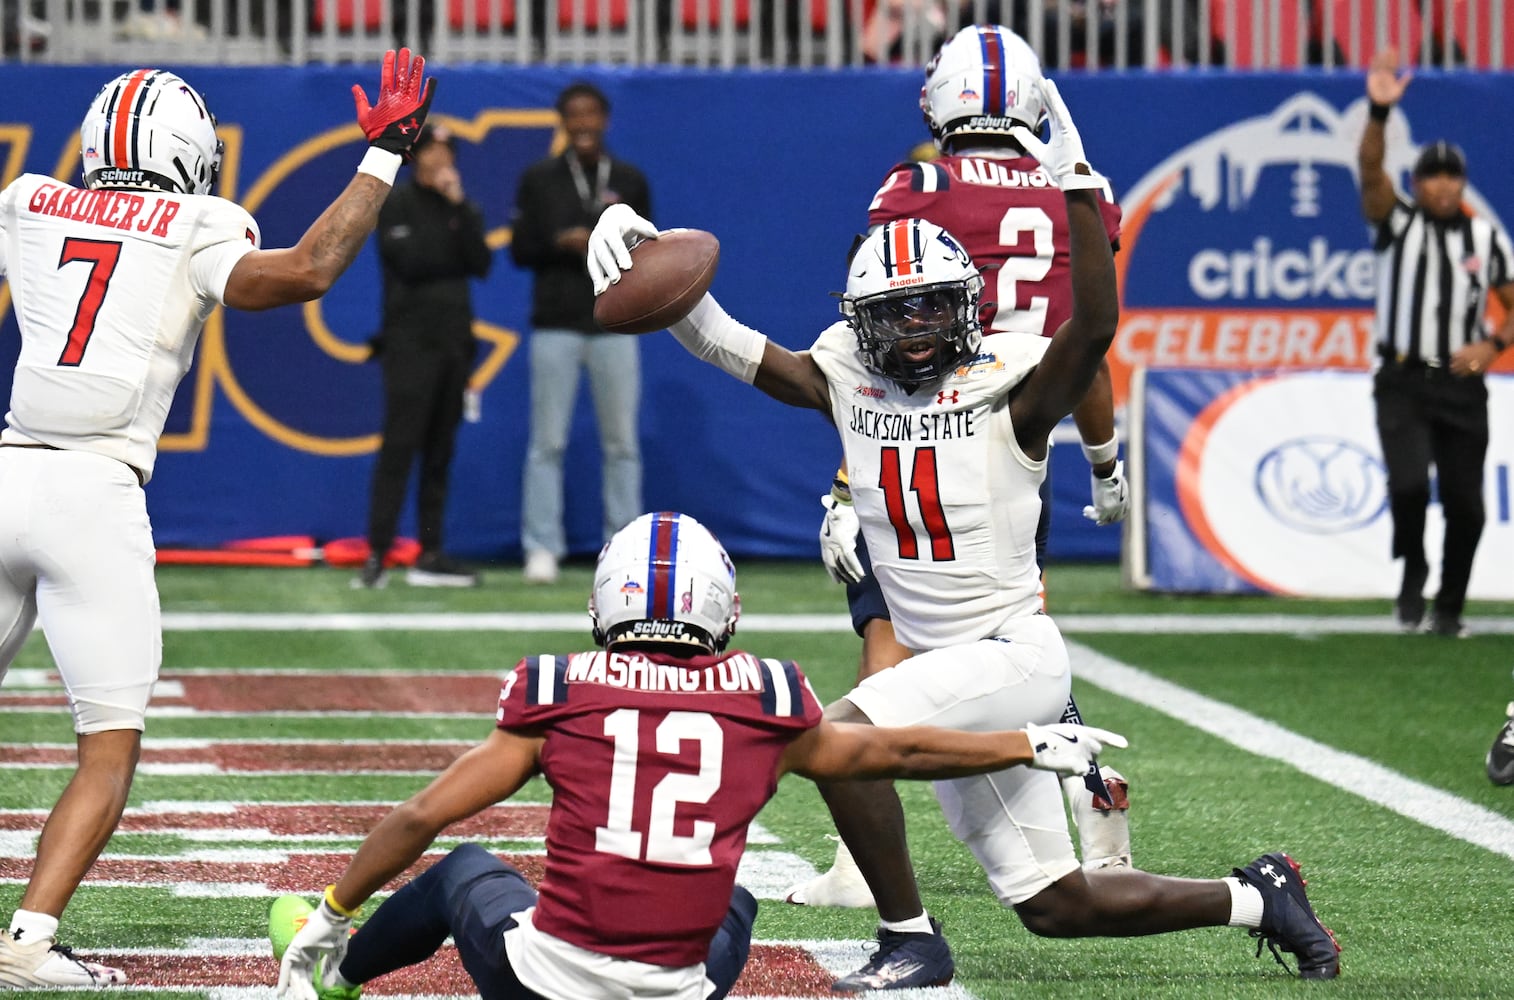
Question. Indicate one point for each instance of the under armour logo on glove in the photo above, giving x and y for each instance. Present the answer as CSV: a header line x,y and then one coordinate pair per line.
x,y
394,123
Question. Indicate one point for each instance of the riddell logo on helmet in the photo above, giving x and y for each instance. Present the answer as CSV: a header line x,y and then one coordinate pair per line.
x,y
914,279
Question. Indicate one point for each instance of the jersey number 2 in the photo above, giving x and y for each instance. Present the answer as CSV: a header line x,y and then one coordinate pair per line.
x,y
1011,316
661,844
926,485
102,256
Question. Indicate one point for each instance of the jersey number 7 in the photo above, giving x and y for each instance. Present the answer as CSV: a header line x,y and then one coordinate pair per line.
x,y
102,256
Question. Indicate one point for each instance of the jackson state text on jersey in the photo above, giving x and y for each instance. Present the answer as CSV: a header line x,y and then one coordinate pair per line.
x,y
1012,220
111,289
657,767
947,500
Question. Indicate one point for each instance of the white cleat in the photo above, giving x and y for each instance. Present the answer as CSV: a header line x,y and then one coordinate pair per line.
x,y
45,963
843,885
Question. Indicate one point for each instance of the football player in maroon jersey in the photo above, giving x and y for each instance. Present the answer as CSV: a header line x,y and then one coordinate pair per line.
x,y
661,747
1007,212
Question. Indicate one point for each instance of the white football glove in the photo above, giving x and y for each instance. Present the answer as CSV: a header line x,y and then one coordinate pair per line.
x,y
1068,748
619,228
325,935
838,541
1111,497
1063,153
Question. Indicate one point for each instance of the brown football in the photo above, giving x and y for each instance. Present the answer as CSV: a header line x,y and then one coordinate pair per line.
x,y
668,277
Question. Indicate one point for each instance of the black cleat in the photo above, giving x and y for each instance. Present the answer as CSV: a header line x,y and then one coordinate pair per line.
x,y
1501,757
903,962
1288,921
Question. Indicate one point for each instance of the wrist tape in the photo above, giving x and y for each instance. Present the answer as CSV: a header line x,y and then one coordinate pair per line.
x,y
1098,454
381,164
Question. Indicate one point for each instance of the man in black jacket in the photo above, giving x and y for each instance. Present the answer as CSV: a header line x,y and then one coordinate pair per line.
x,y
559,200
431,241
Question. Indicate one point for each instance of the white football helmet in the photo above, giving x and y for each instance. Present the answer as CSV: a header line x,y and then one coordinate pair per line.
x,y
664,579
908,280
984,81
149,129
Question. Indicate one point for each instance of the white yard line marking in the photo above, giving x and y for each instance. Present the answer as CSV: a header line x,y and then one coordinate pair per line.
x,y
1423,803
1258,624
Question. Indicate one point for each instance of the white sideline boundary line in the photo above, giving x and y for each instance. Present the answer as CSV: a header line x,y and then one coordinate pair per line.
x,y
1156,624
1437,809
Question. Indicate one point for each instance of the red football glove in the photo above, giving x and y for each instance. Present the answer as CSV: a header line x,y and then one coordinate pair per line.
x,y
394,123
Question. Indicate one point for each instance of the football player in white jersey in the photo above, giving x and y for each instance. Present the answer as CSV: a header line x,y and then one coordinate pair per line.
x,y
996,201
111,284
945,432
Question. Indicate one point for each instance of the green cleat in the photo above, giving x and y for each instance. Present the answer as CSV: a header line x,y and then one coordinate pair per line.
x,y
285,918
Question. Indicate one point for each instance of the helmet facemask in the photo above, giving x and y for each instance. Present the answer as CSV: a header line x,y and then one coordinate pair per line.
x,y
914,336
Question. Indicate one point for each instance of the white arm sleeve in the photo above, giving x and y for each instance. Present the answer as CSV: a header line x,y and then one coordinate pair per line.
x,y
710,334
210,267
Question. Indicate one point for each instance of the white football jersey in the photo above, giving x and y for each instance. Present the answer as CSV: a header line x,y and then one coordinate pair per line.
x,y
111,288
947,499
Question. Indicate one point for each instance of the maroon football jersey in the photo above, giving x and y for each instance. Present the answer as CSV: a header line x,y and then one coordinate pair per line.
x,y
1012,220
657,766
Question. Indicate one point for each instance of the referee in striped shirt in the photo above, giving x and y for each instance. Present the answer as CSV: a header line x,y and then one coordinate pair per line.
x,y
1436,266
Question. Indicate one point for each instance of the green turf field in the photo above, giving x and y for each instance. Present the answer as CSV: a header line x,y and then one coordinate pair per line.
x,y
1407,846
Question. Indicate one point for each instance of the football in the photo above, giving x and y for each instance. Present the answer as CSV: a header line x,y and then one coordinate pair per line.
x,y
668,277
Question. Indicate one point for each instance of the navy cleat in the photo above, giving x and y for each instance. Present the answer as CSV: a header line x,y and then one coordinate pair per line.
x,y
1288,921
902,962
1501,757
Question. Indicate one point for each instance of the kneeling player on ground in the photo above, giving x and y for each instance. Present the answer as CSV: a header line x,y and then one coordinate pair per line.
x,y
660,748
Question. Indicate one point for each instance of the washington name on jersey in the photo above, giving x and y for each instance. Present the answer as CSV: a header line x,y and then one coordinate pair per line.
x,y
947,500
657,767
1011,219
111,289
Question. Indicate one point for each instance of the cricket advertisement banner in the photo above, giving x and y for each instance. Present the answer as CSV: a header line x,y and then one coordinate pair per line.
x,y
1243,247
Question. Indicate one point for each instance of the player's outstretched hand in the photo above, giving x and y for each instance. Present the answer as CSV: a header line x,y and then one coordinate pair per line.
x,y
1111,497
394,123
1062,155
838,541
619,229
1068,748
325,934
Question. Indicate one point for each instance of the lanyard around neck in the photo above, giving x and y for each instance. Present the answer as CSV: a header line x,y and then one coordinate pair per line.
x,y
587,195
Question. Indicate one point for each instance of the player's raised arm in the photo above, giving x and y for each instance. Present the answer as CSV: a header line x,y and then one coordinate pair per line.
x,y
264,279
1076,352
709,332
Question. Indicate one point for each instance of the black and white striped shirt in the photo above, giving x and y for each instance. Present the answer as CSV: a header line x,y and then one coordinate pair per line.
x,y
1433,280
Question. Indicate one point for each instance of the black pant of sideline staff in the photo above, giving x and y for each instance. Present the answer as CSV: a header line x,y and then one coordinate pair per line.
x,y
1425,414
423,405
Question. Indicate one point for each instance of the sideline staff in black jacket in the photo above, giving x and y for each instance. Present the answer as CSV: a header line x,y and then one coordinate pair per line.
x,y
431,241
559,200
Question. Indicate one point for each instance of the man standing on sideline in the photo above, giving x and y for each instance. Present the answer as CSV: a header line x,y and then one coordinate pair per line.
x,y
112,284
1435,267
559,200
431,241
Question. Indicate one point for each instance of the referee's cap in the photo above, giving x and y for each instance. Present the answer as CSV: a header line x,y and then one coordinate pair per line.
x,y
1441,157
